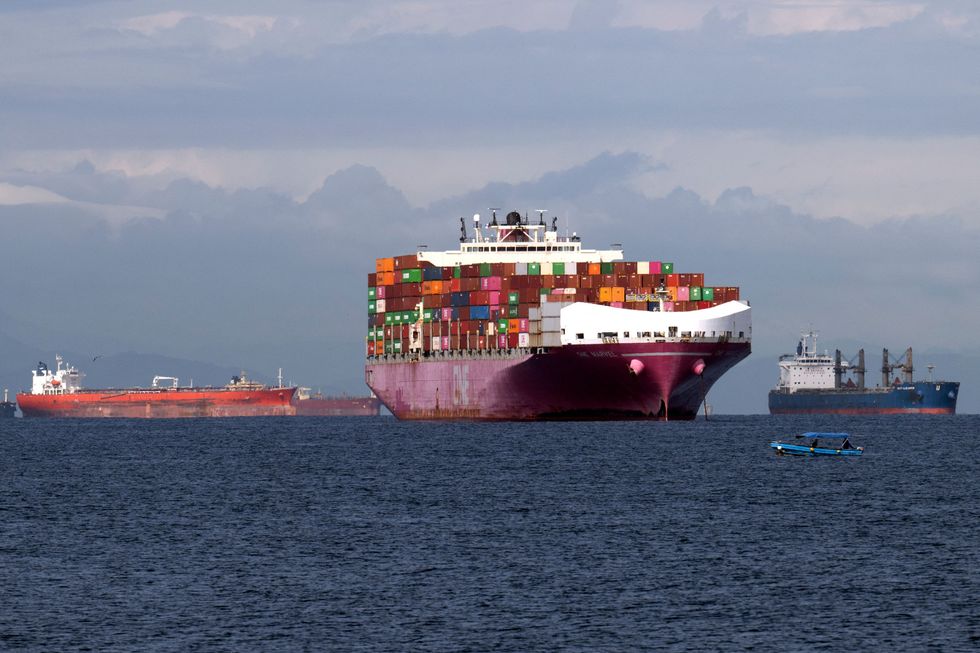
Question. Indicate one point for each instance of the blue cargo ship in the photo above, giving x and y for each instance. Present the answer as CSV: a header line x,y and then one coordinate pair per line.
x,y
810,382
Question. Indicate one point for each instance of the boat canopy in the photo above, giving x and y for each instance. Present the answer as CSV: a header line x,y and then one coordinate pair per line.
x,y
820,434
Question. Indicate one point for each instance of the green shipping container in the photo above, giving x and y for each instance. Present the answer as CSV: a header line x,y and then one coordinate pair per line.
x,y
557,268
605,268
485,270
501,326
695,293
413,317
457,272
431,314
411,275
389,347
666,268
372,293
372,307
396,346
513,297
513,311
707,294
534,268
389,318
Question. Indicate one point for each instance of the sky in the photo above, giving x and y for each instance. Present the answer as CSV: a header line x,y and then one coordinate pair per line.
x,y
211,181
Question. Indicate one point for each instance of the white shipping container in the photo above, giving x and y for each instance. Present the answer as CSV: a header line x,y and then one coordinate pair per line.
x,y
379,306
436,343
545,269
643,267
551,325
534,313
534,326
522,268
523,340
550,340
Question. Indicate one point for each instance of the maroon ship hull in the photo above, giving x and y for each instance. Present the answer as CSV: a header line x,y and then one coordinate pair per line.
x,y
572,382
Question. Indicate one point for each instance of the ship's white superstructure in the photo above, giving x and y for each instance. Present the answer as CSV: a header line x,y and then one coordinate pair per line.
x,y
807,369
582,323
517,241
65,379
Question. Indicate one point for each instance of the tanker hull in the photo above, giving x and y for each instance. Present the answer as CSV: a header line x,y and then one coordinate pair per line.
x,y
160,403
338,407
572,382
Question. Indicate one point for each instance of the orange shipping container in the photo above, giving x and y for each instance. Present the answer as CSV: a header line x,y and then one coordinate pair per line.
x,y
605,294
594,269
513,325
384,265
386,278
619,294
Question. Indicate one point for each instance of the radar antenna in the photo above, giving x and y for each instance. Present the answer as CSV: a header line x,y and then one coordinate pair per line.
x,y
541,213
462,230
493,213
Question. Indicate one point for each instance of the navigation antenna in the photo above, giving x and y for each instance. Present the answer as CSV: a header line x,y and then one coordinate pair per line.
x,y
541,213
493,212
462,230
930,367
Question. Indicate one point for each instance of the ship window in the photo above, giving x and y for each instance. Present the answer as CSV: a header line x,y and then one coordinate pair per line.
x,y
626,334
741,334
580,336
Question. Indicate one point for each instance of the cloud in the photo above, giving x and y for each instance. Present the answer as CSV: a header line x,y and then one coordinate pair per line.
x,y
13,195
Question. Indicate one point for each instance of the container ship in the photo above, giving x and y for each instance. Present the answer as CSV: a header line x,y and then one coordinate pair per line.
x,y
815,383
315,404
520,323
7,408
58,393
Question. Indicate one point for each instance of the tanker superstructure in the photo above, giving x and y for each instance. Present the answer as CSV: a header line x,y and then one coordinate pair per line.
x,y
59,393
521,323
814,383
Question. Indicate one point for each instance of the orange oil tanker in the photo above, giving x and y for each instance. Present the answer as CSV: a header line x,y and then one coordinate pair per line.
x,y
59,393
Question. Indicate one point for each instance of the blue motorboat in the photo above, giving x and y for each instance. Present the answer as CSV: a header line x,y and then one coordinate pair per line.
x,y
814,443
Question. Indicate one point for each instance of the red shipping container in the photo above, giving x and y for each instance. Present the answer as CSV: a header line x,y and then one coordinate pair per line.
x,y
697,279
523,325
607,281
407,261
513,340
684,279
502,341
370,348
619,267
673,280
622,279
372,279
497,270
630,267
704,304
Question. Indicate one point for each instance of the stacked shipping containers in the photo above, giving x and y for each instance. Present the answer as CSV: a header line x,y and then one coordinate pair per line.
x,y
511,305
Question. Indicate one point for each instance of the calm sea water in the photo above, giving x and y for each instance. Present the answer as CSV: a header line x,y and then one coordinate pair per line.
x,y
371,534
